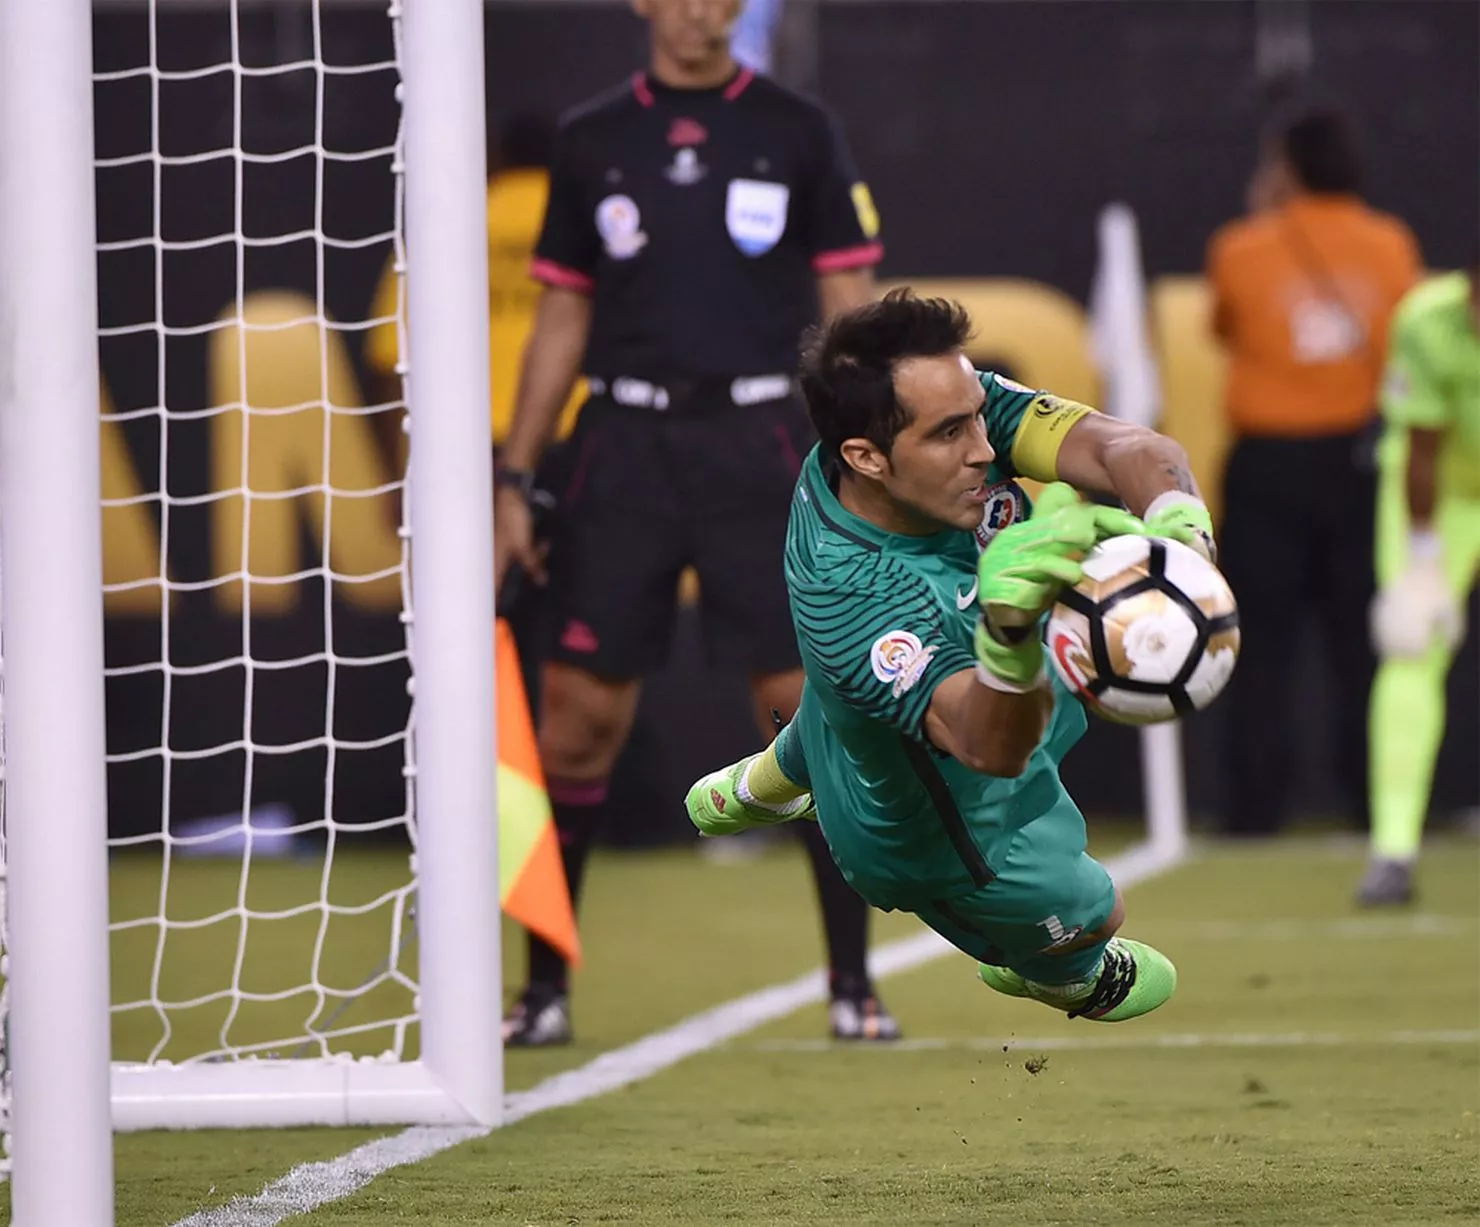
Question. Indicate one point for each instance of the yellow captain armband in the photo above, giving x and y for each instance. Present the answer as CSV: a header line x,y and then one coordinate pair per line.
x,y
1045,425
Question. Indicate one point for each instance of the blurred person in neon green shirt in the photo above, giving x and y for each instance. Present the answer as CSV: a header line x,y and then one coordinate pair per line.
x,y
1428,553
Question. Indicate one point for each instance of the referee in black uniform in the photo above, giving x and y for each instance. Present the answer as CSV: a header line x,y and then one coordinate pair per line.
x,y
700,217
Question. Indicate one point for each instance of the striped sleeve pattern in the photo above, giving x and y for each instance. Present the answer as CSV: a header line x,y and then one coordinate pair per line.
x,y
873,636
1006,403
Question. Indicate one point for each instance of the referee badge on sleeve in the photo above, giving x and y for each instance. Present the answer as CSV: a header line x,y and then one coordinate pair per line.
x,y
755,214
620,226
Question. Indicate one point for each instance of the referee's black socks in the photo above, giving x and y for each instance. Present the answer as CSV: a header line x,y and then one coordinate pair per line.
x,y
576,805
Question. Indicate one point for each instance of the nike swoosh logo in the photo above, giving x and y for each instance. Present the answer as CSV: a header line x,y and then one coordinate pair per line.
x,y
965,600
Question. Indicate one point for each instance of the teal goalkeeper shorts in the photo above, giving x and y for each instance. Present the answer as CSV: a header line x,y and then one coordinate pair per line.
x,y
1046,893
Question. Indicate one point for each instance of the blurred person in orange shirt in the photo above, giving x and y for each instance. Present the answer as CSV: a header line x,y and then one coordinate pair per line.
x,y
1303,292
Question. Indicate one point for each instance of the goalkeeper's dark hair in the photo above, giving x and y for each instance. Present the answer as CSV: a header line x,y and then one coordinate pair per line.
x,y
1320,144
848,365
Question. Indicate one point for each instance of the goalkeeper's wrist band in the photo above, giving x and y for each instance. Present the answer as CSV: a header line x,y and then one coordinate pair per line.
x,y
1012,670
1172,498
990,680
1424,545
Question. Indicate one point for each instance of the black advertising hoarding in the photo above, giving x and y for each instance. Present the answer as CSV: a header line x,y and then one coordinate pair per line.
x,y
991,135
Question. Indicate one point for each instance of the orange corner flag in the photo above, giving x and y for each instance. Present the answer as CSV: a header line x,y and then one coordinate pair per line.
x,y
531,877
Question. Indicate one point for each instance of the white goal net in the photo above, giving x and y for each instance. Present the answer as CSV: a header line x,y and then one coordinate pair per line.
x,y
272,688
255,578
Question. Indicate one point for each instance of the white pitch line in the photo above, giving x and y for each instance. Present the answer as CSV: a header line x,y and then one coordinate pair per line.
x,y
1079,1043
311,1185
1353,928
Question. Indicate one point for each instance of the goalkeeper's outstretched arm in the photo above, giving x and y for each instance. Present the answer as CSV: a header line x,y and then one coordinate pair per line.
x,y
1132,463
1147,471
987,726
991,719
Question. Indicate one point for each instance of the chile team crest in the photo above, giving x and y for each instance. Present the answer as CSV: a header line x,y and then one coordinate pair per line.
x,y
1006,505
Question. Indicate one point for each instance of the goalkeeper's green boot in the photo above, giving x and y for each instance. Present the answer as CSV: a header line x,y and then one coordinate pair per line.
x,y
715,806
1003,980
1134,979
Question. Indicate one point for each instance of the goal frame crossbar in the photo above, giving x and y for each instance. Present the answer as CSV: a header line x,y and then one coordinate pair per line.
x,y
266,1093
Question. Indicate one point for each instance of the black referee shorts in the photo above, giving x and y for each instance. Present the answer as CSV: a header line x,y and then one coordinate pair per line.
x,y
646,493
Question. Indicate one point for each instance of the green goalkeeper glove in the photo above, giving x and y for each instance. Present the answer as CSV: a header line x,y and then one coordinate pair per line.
x,y
1019,576
1182,517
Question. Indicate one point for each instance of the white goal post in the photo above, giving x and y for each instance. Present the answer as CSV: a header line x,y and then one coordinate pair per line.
x,y
1122,352
56,956
55,925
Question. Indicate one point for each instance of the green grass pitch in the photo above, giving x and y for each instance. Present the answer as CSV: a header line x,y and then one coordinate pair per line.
x,y
1316,1066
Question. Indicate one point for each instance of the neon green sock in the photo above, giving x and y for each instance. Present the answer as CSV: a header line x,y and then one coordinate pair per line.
x,y
790,756
763,784
1407,725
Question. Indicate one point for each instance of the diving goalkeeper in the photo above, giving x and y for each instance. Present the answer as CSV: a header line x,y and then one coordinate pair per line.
x,y
929,737
1428,549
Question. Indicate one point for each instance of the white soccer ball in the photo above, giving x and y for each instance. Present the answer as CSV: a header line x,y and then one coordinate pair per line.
x,y
1149,634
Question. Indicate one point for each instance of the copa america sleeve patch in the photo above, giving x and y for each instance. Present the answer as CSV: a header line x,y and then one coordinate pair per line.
x,y
1046,424
898,659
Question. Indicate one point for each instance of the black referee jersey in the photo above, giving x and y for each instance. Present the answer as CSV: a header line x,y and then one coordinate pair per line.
x,y
699,220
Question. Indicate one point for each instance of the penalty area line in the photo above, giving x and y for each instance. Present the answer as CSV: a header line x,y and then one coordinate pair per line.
x,y
310,1185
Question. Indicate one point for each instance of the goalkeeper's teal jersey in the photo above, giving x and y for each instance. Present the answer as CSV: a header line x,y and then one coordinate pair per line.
x,y
882,619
